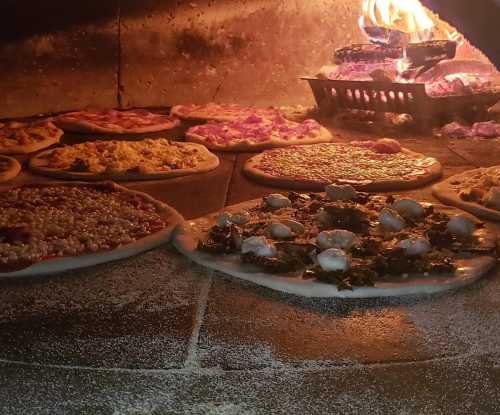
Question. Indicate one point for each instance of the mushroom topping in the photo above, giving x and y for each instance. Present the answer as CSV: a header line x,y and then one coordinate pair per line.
x,y
340,192
391,221
338,238
334,260
240,218
414,246
277,201
408,208
224,219
280,231
461,226
492,199
259,246
295,226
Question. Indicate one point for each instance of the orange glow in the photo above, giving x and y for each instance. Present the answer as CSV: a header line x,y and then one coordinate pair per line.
x,y
407,16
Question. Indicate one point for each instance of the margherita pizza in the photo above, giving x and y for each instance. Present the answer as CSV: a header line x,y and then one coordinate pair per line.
x,y
27,137
370,166
62,226
116,122
125,160
9,168
344,244
476,191
221,112
256,133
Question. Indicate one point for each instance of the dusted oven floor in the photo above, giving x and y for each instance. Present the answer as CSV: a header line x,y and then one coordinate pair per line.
x,y
156,335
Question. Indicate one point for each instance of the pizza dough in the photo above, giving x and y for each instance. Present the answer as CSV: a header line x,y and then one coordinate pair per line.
x,y
312,167
28,137
9,168
257,133
115,121
221,112
473,191
467,270
63,226
125,160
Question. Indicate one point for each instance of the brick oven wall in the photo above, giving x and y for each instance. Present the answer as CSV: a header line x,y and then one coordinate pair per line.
x,y
59,55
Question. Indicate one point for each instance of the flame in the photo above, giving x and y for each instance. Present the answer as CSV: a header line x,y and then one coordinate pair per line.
x,y
456,37
406,16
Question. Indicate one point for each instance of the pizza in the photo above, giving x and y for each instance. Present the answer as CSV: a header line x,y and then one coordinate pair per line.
x,y
116,121
368,165
60,226
342,244
476,191
124,160
28,137
221,112
9,168
256,133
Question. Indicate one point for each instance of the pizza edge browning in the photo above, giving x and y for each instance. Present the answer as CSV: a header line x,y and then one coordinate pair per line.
x,y
13,170
323,136
445,192
433,172
172,218
38,145
211,162
88,127
187,236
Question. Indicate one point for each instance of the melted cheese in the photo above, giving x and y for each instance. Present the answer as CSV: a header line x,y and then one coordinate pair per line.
x,y
147,156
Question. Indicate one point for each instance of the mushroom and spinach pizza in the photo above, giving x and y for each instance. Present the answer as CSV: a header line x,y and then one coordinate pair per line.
x,y
342,244
62,226
366,165
9,168
124,160
221,112
476,191
116,121
257,133
28,137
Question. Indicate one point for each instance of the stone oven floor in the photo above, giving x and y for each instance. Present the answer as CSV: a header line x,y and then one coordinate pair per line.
x,y
156,335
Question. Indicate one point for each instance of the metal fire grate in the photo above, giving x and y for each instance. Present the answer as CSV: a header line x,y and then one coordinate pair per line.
x,y
402,98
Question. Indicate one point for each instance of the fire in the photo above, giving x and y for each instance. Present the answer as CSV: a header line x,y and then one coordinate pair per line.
x,y
405,16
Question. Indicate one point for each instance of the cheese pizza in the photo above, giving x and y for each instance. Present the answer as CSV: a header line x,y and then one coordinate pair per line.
x,y
60,226
257,133
476,191
116,121
28,137
342,244
370,166
125,160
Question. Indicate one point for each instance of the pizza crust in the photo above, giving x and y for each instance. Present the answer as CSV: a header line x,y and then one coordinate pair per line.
x,y
211,162
446,193
433,172
186,237
56,265
323,136
12,171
